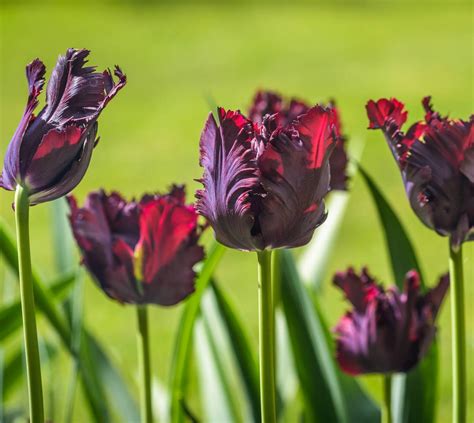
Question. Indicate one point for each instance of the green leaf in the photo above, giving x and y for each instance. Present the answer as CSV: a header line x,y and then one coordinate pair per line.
x,y
360,407
63,245
400,249
62,236
241,349
14,368
115,386
183,343
329,394
10,314
217,399
312,355
94,386
414,393
314,260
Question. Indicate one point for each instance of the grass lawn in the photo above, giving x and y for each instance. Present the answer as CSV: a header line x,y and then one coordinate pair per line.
x,y
176,58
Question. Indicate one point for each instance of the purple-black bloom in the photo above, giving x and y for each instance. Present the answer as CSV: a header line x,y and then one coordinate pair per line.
x,y
436,159
264,183
139,252
270,103
387,331
49,153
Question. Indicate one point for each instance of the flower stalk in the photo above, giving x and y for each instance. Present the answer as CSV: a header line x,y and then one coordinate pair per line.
x,y
30,336
266,323
387,391
458,334
144,364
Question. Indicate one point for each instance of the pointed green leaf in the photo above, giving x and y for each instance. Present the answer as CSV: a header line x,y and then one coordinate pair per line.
x,y
329,394
216,396
413,394
10,314
94,386
183,343
312,356
241,349
400,249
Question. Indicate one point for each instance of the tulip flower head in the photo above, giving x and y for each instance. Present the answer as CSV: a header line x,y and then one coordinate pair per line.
x,y
49,153
139,252
264,183
387,331
436,159
270,103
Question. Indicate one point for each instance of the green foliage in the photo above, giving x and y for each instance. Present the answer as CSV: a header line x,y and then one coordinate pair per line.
x,y
414,393
184,335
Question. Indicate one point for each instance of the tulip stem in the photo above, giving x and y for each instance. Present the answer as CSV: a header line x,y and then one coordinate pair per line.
x,y
144,364
30,336
266,323
387,396
458,335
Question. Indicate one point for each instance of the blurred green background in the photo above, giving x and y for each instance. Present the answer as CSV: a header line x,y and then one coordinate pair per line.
x,y
177,57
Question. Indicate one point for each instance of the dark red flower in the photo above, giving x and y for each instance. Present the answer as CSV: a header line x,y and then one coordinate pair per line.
x,y
270,103
264,184
436,159
49,153
139,252
386,331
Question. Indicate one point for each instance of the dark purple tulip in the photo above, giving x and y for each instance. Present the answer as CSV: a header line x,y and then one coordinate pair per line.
x,y
49,153
436,159
386,331
139,252
264,184
269,103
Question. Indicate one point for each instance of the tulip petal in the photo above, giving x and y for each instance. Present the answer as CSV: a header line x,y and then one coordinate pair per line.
x,y
107,256
385,111
230,180
164,227
35,75
72,175
295,175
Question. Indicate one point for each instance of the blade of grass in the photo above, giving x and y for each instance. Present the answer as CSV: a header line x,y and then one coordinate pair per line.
x,y
414,393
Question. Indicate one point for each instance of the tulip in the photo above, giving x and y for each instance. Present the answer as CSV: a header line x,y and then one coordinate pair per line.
x,y
436,159
49,153
387,331
270,103
139,253
264,185
46,158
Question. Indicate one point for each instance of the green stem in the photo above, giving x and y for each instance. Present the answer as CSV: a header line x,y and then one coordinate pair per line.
x,y
458,335
266,323
144,364
387,396
33,366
